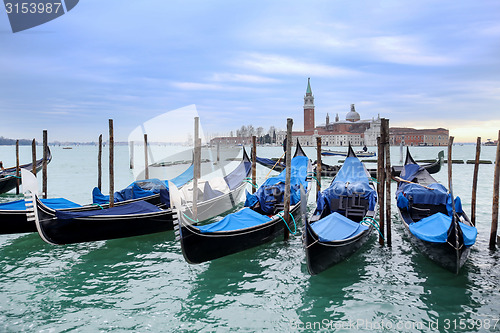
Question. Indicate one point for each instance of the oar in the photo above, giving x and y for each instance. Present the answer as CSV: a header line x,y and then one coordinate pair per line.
x,y
399,179
275,164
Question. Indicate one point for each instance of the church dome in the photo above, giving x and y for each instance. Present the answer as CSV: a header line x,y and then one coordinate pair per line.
x,y
352,115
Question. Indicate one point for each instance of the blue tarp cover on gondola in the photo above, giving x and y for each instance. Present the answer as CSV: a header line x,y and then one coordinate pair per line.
x,y
277,185
336,227
54,203
435,229
418,194
142,188
409,171
421,195
242,219
139,207
351,179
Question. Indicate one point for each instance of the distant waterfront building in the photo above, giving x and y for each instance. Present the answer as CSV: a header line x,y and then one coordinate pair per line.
x,y
418,137
352,130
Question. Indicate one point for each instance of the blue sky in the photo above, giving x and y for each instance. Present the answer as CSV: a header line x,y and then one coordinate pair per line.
x,y
418,63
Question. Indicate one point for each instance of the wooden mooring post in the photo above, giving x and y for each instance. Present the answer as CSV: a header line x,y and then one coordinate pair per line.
x,y
99,165
450,166
474,183
288,176
146,163
197,166
33,157
388,178
218,151
318,166
131,149
380,186
111,164
44,164
254,162
494,217
18,171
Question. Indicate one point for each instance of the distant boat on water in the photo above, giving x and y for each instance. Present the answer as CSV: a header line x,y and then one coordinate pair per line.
x,y
361,153
490,143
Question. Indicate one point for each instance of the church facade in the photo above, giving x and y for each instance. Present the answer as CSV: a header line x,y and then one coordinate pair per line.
x,y
353,129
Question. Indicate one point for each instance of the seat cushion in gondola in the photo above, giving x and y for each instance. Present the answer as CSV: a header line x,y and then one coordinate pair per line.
x,y
336,227
139,207
242,219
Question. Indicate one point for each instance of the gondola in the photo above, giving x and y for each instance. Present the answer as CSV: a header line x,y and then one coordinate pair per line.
x,y
8,178
426,209
13,214
434,167
343,219
129,218
277,165
361,153
260,221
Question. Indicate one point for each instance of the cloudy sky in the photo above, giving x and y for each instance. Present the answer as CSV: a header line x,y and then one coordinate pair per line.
x,y
418,63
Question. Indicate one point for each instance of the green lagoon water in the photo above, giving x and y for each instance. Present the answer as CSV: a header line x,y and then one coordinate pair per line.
x,y
143,284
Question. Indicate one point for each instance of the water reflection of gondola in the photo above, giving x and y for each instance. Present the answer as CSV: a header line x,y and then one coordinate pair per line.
x,y
328,297
246,290
85,278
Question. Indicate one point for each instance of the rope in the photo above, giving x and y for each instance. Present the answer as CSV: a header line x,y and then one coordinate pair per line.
x,y
317,181
294,224
308,246
249,181
399,179
376,225
96,204
275,165
190,219
374,180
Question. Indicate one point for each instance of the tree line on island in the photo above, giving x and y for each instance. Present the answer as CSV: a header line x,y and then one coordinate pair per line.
x,y
262,137
11,142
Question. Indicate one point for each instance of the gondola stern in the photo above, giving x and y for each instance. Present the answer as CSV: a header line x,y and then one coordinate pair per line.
x,y
350,151
176,206
32,202
409,159
298,150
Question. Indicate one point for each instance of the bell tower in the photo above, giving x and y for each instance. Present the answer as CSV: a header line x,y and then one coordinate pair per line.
x,y
308,108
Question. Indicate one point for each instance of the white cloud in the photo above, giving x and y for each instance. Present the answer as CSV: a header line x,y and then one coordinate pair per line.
x,y
197,86
243,78
276,64
408,50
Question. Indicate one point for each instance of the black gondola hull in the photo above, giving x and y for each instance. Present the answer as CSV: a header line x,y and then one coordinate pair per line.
x,y
442,254
322,255
451,255
14,221
198,247
8,179
79,230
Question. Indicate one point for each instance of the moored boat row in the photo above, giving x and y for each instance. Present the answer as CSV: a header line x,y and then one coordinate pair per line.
x,y
344,218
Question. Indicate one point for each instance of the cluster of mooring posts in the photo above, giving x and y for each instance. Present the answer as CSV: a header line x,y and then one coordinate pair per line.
x,y
384,174
34,163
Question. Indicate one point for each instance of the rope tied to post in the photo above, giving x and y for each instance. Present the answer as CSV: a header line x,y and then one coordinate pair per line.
x,y
375,224
293,219
249,181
